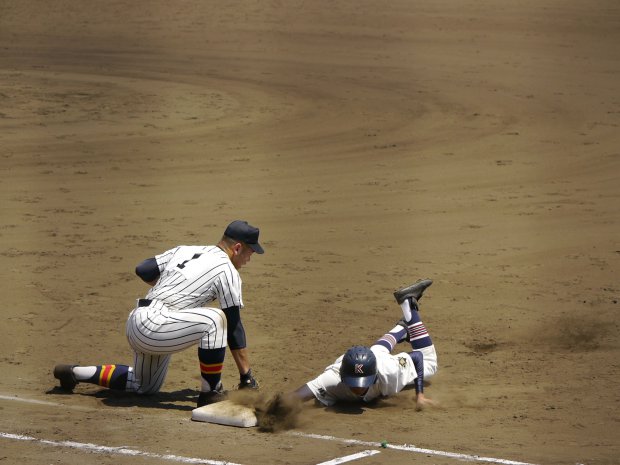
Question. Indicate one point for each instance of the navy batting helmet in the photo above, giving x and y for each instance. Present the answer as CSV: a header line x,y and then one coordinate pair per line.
x,y
359,367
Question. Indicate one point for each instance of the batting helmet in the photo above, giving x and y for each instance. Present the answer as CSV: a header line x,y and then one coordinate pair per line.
x,y
359,367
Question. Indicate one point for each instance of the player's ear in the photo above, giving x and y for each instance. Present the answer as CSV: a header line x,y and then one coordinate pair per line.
x,y
237,248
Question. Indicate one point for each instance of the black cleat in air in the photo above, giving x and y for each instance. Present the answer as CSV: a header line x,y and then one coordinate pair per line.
x,y
415,291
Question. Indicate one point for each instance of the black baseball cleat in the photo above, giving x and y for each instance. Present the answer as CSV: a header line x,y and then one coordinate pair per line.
x,y
248,381
415,290
64,373
211,397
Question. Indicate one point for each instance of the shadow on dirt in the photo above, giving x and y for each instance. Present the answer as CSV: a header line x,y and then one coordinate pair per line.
x,y
184,400
356,408
347,408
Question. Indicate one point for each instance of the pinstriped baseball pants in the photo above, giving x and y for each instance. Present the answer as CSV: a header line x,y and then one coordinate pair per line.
x,y
155,333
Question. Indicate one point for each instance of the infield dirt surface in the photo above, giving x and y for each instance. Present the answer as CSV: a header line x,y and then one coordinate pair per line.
x,y
476,143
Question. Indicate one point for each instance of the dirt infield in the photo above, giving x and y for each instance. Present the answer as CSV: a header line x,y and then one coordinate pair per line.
x,y
473,142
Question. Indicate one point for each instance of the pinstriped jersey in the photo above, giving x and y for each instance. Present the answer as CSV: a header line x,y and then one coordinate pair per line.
x,y
192,276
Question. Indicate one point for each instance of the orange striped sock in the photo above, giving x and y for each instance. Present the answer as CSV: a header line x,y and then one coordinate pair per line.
x,y
111,376
211,365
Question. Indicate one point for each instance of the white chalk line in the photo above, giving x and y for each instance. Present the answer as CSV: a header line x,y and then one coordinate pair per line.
x,y
410,448
350,458
122,450
401,447
29,401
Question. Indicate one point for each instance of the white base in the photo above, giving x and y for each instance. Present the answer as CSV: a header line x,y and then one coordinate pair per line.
x,y
226,413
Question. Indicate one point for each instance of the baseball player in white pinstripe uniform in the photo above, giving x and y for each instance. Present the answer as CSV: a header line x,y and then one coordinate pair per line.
x,y
363,374
173,317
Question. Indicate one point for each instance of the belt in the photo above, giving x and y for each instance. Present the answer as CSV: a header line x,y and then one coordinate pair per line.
x,y
144,302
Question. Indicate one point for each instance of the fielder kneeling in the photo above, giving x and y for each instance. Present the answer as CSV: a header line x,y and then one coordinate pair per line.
x,y
363,374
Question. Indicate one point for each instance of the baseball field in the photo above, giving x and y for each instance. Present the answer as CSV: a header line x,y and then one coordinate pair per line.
x,y
476,143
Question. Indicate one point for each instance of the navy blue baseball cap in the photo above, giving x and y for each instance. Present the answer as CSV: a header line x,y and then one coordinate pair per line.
x,y
243,232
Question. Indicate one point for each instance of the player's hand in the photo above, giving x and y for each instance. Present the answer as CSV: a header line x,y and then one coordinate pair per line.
x,y
423,402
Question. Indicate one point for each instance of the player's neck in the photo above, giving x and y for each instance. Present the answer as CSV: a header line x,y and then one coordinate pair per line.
x,y
227,250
